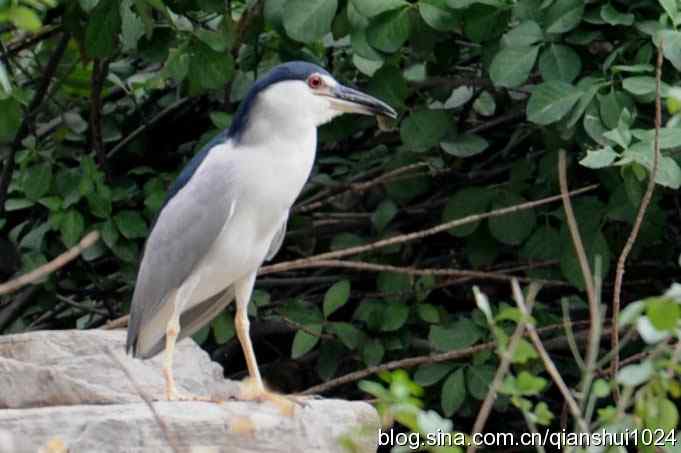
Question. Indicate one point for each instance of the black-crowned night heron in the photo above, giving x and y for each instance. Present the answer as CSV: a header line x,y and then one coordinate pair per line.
x,y
227,211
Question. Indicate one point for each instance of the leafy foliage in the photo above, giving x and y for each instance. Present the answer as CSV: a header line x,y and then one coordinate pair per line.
x,y
487,91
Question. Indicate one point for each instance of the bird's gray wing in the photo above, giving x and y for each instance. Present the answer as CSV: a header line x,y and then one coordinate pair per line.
x,y
192,320
277,241
186,228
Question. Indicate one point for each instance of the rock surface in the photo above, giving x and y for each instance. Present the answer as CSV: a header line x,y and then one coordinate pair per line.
x,y
72,387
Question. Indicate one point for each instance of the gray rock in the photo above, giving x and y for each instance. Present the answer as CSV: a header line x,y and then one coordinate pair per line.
x,y
70,387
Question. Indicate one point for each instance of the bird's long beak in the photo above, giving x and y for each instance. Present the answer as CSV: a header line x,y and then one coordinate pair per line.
x,y
349,100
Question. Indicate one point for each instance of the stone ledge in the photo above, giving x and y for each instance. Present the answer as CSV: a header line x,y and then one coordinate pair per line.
x,y
67,385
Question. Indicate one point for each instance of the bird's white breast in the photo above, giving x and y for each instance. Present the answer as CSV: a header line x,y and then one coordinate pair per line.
x,y
267,180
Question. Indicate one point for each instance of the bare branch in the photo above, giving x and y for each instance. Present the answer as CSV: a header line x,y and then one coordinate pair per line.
x,y
645,202
48,74
418,234
373,267
505,364
99,71
50,267
548,363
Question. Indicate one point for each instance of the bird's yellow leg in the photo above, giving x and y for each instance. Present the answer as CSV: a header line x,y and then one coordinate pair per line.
x,y
171,393
253,389
172,329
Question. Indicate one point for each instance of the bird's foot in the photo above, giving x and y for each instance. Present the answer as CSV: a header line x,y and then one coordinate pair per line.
x,y
252,391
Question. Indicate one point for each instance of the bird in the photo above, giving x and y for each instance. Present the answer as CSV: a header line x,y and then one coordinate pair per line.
x,y
226,213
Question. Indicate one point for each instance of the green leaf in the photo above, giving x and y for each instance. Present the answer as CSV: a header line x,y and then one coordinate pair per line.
x,y
484,22
371,8
389,85
453,393
101,32
347,333
361,47
223,327
662,414
430,374
372,352
390,30
512,228
16,204
217,41
668,171
465,145
72,227
37,180
394,316
564,15
663,313
595,244
428,313
542,245
131,224
336,297
528,384
551,101
524,35
479,379
599,158
461,334
524,352
383,214
640,85
613,17
308,20
511,66
424,129
466,202
671,7
10,118
637,374
176,65
303,342
559,62
436,14
109,233
132,27
24,18
208,68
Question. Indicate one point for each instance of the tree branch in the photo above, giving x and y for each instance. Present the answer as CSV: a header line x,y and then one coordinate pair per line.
x,y
100,69
50,70
303,262
645,202
50,267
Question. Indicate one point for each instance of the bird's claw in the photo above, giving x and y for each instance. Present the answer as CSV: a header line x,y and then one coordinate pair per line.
x,y
286,404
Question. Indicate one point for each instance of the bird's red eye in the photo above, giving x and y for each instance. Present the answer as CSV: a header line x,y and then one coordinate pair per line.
x,y
314,81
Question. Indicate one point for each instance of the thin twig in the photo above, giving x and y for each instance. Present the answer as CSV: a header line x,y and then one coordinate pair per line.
x,y
279,267
99,72
411,362
31,40
170,439
506,358
645,202
360,187
134,134
373,267
50,267
548,363
117,323
38,97
589,282
570,334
